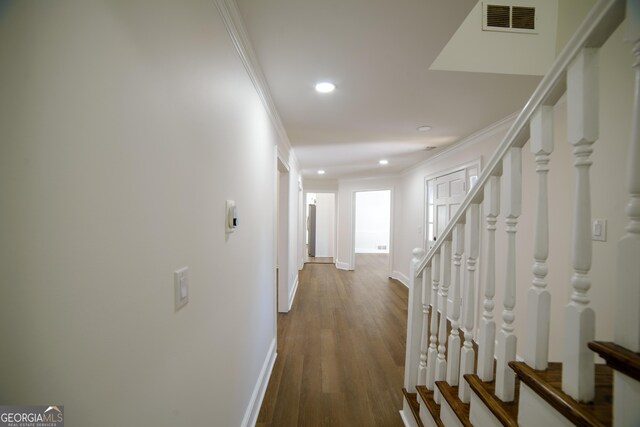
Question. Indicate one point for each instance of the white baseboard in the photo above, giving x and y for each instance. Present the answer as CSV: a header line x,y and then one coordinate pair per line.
x,y
400,278
253,409
342,265
292,294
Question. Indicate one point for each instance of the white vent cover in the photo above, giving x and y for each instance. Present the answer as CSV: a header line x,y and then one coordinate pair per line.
x,y
509,18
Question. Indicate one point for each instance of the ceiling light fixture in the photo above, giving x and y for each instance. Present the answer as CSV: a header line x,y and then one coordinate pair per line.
x,y
321,172
424,128
384,162
325,87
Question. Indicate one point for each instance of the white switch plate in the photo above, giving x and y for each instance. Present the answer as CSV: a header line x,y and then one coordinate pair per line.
x,y
181,287
599,230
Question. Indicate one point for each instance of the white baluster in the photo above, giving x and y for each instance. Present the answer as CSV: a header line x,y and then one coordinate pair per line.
x,y
507,340
538,297
467,356
445,277
578,369
453,353
414,324
486,343
433,328
424,338
627,332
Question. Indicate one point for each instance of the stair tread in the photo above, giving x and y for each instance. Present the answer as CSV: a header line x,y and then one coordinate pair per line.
x,y
505,412
450,394
618,357
434,409
412,399
548,385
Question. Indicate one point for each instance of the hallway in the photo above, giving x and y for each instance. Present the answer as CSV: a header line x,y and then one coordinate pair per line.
x,y
341,349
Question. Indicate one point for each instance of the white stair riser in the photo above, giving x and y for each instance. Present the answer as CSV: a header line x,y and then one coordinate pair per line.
x,y
407,415
626,411
534,411
425,415
448,416
480,414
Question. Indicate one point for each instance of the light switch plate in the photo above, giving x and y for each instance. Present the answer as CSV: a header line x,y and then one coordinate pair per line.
x,y
599,230
181,287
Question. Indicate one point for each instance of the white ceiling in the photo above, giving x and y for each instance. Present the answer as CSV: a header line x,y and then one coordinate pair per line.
x,y
378,53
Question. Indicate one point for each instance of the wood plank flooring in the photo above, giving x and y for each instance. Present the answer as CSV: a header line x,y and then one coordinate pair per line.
x,y
341,349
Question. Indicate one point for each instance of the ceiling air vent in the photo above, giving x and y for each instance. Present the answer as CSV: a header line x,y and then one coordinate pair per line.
x,y
502,17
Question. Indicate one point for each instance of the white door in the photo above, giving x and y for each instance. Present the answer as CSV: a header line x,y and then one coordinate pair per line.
x,y
448,192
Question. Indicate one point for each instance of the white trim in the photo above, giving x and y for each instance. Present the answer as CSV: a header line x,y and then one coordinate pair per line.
x,y
253,409
292,294
342,265
235,27
400,277
499,126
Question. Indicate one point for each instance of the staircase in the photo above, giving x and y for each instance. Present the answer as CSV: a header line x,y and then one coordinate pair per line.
x,y
469,361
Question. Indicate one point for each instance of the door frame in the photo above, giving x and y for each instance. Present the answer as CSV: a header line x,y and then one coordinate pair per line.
x,y
305,209
282,234
352,258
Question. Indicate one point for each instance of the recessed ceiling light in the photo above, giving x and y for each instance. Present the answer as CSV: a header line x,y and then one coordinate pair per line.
x,y
424,128
321,172
384,162
325,87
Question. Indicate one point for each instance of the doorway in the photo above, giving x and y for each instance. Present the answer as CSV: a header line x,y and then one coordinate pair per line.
x,y
372,227
282,253
321,227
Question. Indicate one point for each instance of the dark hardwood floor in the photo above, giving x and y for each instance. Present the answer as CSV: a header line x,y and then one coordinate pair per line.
x,y
341,349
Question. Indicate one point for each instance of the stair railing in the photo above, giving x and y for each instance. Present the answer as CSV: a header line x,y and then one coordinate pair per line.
x,y
573,72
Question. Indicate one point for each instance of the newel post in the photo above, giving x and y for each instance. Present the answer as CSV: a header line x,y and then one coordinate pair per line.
x,y
414,323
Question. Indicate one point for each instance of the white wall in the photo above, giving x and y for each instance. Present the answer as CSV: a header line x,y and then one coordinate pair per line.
x,y
125,126
373,221
320,185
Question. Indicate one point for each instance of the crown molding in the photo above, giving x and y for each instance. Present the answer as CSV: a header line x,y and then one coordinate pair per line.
x,y
235,27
